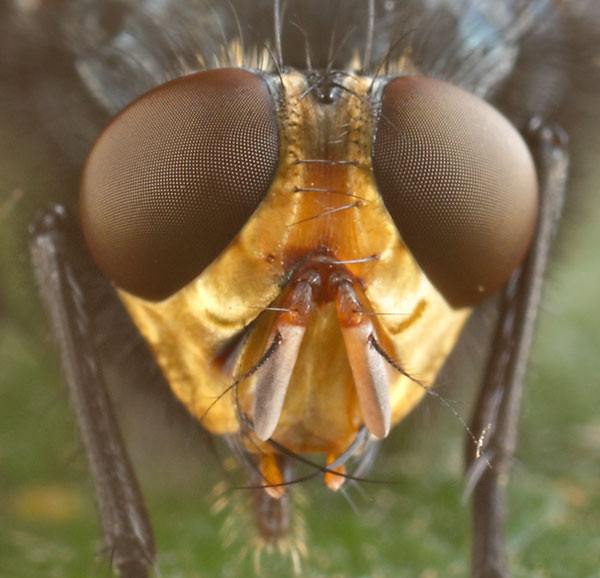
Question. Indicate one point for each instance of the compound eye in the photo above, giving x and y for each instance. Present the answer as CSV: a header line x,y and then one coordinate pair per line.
x,y
174,177
459,182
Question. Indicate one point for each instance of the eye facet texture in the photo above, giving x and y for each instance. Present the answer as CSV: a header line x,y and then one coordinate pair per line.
x,y
458,181
174,177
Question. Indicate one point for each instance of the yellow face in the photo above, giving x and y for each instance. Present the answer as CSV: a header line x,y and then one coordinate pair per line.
x,y
285,335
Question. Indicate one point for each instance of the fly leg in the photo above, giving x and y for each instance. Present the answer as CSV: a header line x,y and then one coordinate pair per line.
x,y
497,410
123,519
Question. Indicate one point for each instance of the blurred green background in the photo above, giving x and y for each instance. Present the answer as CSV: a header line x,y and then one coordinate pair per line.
x,y
413,527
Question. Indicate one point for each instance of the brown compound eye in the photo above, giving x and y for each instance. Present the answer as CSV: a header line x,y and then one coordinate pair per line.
x,y
459,182
174,177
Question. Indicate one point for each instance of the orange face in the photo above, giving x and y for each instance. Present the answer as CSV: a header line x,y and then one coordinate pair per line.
x,y
316,273
330,313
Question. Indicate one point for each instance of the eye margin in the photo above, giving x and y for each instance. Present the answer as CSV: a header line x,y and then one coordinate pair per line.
x,y
118,250
516,215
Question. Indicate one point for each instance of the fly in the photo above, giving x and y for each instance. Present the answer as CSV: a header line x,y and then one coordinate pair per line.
x,y
301,232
